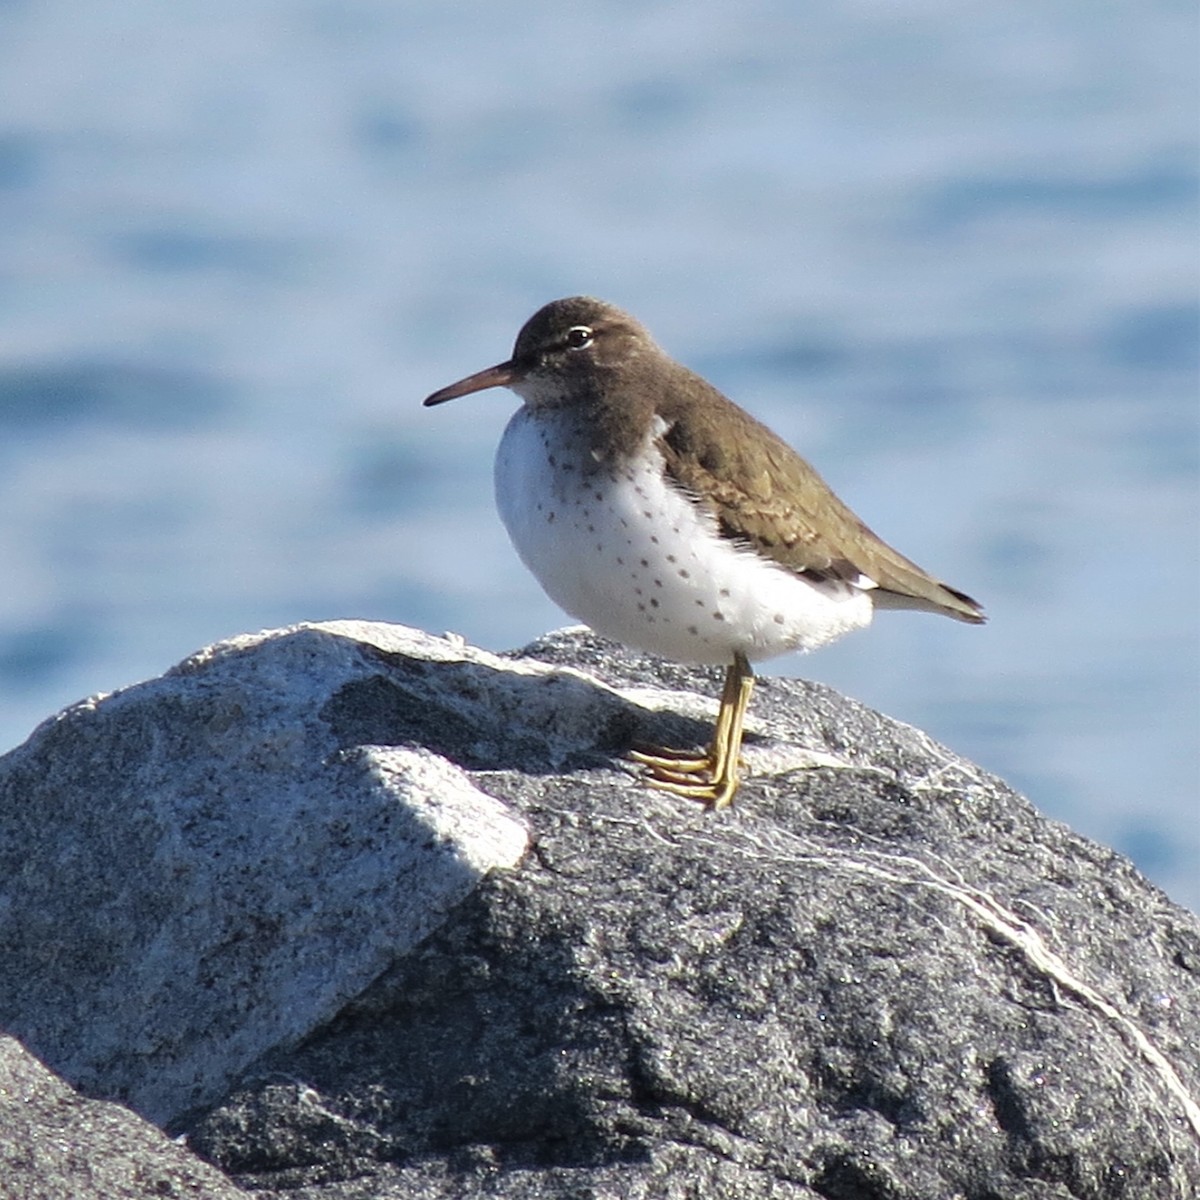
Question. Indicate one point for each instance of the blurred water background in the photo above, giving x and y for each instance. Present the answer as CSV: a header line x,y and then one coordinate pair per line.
x,y
949,251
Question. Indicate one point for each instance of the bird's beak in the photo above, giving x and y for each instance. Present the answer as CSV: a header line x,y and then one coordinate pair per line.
x,y
501,375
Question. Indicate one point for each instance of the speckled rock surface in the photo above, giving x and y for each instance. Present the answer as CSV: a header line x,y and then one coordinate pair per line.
x,y
194,870
881,976
55,1145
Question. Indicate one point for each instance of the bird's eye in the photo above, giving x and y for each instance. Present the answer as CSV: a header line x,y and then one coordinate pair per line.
x,y
579,336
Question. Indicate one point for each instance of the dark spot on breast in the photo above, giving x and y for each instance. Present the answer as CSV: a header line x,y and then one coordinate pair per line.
x,y
693,631
724,593
718,616
645,562
684,574
779,618
653,603
671,557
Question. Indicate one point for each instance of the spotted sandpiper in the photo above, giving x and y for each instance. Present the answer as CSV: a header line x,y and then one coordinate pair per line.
x,y
658,512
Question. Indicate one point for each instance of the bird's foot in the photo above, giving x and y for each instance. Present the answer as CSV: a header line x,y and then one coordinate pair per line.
x,y
711,777
685,773
674,762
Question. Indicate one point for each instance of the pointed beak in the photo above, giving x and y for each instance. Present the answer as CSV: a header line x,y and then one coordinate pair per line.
x,y
501,375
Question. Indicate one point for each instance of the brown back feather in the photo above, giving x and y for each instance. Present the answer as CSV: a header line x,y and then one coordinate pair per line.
x,y
762,492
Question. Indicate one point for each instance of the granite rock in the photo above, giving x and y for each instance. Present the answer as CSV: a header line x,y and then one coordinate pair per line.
x,y
882,975
194,869
55,1145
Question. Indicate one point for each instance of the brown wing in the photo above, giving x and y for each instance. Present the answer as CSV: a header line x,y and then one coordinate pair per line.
x,y
762,492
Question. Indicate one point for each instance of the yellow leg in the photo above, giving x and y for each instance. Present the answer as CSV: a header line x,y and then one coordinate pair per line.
x,y
673,770
664,761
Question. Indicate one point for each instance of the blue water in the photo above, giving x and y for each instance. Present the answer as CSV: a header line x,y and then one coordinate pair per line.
x,y
950,252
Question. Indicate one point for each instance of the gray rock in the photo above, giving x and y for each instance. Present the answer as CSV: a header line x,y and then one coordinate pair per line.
x,y
194,870
882,975
54,1145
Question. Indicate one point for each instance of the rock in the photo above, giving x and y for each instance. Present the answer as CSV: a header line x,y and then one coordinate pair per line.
x,y
195,870
882,975
54,1145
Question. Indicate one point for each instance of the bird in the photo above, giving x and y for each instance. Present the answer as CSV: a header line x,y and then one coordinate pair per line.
x,y
658,512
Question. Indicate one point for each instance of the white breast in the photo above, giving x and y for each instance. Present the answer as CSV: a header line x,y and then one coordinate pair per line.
x,y
630,555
